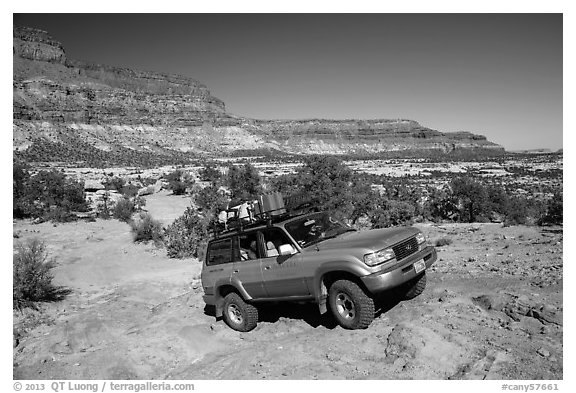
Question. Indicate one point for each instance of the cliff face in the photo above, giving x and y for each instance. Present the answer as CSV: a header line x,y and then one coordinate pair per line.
x,y
57,99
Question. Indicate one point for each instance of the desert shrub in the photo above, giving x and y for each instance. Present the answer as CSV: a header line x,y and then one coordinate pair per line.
x,y
145,228
139,203
331,186
47,195
129,191
20,176
440,205
104,206
471,197
179,181
123,209
114,183
32,277
59,214
210,174
517,211
443,241
178,187
210,200
147,181
187,235
392,213
498,200
554,210
243,181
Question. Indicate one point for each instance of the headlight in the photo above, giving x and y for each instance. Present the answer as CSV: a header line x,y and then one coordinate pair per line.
x,y
420,238
378,257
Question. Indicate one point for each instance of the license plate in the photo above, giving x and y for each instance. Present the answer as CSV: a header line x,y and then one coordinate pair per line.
x,y
420,266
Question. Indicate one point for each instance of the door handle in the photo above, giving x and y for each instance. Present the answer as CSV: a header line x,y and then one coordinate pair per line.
x,y
235,271
267,268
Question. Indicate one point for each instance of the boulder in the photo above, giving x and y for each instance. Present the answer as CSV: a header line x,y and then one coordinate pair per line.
x,y
93,185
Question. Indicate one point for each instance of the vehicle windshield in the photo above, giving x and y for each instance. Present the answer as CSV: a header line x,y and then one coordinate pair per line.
x,y
315,228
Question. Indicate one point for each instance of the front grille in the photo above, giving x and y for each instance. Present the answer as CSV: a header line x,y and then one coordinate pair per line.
x,y
405,248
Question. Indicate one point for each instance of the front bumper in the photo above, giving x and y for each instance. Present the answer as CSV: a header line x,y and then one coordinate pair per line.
x,y
399,274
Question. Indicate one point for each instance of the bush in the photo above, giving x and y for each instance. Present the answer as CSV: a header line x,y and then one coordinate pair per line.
x,y
178,181
210,174
516,211
32,277
178,187
554,210
443,241
440,205
47,195
146,228
187,235
59,214
472,198
331,186
244,182
123,209
129,191
210,200
114,183
393,213
104,206
20,177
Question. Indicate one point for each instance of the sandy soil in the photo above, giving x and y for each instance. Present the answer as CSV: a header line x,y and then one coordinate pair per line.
x,y
492,310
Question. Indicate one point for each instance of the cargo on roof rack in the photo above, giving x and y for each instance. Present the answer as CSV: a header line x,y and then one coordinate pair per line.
x,y
265,209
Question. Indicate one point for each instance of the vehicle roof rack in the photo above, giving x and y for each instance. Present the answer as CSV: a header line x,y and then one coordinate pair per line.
x,y
265,210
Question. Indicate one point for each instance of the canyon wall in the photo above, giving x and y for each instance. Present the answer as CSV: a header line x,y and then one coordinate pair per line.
x,y
58,100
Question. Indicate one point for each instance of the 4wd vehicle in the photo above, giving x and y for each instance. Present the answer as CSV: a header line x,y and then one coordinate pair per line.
x,y
312,257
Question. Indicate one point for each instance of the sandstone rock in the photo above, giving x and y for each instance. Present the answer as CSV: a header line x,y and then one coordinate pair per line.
x,y
35,44
146,191
484,301
61,100
93,186
547,315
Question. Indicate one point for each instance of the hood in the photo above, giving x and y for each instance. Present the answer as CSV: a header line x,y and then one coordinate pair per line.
x,y
375,239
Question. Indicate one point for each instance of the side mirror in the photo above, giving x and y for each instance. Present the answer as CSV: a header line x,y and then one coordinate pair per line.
x,y
286,249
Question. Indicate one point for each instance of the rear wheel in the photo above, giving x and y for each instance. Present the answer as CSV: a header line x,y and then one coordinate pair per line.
x,y
351,306
238,314
415,287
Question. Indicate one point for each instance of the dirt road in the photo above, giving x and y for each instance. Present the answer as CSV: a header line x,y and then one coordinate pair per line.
x,y
492,310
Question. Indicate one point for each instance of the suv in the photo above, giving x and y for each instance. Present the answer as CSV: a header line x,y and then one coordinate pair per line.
x,y
312,258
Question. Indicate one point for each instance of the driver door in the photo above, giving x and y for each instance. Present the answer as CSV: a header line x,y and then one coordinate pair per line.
x,y
284,275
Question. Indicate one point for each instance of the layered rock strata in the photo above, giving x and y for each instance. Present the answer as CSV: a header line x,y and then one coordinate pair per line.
x,y
57,99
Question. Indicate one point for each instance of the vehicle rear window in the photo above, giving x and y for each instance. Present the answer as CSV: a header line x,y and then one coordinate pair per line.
x,y
219,252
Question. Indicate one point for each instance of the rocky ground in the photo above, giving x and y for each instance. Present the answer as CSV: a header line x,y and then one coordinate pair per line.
x,y
493,309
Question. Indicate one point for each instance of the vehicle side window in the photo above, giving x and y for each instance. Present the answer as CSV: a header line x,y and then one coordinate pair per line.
x,y
273,239
219,252
248,247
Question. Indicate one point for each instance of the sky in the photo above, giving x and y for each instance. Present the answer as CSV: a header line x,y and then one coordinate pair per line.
x,y
499,75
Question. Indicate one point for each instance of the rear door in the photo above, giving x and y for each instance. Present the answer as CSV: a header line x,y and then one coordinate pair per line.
x,y
283,275
247,271
219,266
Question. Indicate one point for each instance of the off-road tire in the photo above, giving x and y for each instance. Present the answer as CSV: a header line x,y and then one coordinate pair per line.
x,y
238,314
415,287
351,306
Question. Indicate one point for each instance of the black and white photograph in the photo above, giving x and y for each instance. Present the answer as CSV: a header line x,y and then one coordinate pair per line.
x,y
287,196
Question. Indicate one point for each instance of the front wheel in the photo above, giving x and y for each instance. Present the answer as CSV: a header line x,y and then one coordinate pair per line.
x,y
238,314
350,305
